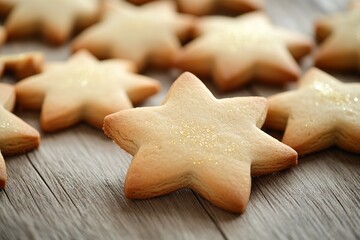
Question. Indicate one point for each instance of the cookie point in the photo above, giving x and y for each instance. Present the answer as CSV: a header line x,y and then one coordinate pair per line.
x,y
76,45
156,86
187,75
105,129
3,175
295,74
130,190
34,135
316,71
293,157
106,123
2,183
313,70
238,207
83,53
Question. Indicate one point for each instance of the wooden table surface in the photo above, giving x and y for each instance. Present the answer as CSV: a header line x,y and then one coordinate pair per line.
x,y
72,187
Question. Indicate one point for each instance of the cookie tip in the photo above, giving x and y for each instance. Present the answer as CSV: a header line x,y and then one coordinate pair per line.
x,y
293,157
2,183
106,127
3,175
321,60
186,75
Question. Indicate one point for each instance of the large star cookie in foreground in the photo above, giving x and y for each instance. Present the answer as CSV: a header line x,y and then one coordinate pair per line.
x,y
340,34
55,20
202,7
196,141
16,136
321,113
22,65
147,34
83,88
235,51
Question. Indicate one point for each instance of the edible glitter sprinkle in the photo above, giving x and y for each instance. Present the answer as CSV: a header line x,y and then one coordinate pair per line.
x,y
328,92
4,124
200,135
198,139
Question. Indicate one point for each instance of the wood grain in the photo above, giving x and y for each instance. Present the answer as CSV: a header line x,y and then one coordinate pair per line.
x,y
72,186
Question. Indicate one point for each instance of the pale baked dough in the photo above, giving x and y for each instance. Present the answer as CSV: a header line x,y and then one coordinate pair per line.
x,y
235,51
150,34
83,88
202,7
322,112
340,37
23,64
55,21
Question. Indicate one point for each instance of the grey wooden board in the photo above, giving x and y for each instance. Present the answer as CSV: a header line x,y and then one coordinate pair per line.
x,y
72,186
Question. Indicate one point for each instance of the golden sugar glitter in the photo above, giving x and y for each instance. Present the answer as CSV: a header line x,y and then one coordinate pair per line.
x,y
329,93
200,138
6,124
200,135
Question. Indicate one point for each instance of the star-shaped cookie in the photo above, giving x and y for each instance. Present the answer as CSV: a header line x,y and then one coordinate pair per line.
x,y
55,21
194,140
340,34
202,7
22,65
321,113
146,34
16,136
235,51
83,88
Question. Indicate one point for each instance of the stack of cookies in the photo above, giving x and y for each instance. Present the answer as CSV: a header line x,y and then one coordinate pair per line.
x,y
192,140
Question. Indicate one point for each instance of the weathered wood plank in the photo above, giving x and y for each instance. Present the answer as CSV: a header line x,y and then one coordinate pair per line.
x,y
12,225
318,199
